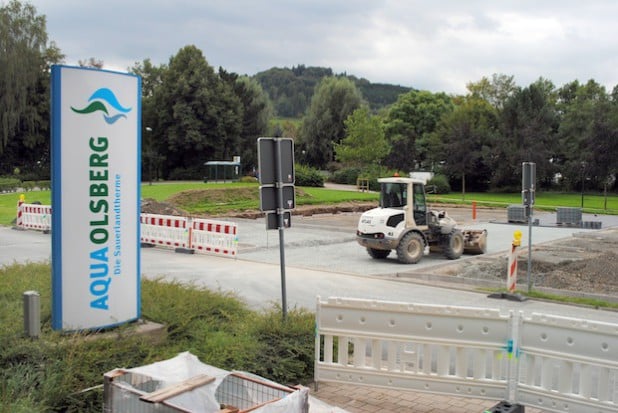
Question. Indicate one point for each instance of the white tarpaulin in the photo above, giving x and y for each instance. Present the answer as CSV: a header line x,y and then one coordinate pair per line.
x,y
127,389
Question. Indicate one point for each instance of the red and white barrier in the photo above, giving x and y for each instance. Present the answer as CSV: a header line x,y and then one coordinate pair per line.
x,y
164,230
214,237
192,234
19,220
34,216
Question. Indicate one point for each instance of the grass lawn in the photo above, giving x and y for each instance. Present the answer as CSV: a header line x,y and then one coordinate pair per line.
x,y
549,201
199,197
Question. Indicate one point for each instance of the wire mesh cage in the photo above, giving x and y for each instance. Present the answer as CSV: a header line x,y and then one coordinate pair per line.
x,y
247,393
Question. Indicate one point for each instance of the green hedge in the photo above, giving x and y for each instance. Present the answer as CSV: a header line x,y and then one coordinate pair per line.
x,y
438,185
9,184
346,176
14,184
307,176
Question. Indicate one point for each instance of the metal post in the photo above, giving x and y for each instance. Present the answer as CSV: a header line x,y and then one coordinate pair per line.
x,y
32,314
583,178
529,250
280,226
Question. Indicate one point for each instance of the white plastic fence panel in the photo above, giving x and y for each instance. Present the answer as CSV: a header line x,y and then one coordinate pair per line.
x,y
568,364
214,237
439,349
34,216
164,230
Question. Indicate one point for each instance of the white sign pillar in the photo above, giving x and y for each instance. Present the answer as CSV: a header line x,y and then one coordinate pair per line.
x,y
96,146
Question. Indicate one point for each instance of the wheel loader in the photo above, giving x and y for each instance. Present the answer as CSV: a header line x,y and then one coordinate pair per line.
x,y
403,223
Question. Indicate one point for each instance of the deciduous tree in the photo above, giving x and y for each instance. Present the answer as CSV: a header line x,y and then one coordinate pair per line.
x,y
465,132
364,143
528,133
334,100
409,125
25,59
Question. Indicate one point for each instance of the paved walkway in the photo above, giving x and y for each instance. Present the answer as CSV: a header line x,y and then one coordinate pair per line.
x,y
360,399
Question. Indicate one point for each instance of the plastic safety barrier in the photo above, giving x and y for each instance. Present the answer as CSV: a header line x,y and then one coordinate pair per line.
x,y
192,234
554,363
447,350
215,237
568,365
34,216
164,230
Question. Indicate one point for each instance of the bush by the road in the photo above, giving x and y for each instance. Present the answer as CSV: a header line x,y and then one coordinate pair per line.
x,y
307,176
439,185
63,372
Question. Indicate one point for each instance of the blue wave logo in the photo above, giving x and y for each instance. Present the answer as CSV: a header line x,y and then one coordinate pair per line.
x,y
104,100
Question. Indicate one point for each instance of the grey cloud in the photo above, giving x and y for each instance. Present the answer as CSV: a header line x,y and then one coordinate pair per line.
x,y
438,46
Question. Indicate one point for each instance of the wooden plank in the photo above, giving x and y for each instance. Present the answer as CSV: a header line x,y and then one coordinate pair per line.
x,y
158,396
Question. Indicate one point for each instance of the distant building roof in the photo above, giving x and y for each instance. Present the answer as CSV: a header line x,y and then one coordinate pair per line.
x,y
230,163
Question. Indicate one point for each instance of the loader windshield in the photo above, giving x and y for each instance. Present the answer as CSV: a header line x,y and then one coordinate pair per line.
x,y
393,195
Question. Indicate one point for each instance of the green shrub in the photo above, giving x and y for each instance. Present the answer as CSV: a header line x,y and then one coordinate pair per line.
x,y
248,179
187,174
346,176
28,185
43,185
286,348
438,185
9,184
307,176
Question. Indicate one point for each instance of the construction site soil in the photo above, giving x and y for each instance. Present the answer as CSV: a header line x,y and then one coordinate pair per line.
x,y
585,263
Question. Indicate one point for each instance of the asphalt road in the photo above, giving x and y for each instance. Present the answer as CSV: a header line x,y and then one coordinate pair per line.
x,y
321,259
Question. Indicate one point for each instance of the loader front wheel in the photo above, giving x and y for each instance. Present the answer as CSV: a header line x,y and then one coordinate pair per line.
x,y
410,249
453,244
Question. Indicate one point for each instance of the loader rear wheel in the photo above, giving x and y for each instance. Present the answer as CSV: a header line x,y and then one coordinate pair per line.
x,y
410,249
378,254
453,244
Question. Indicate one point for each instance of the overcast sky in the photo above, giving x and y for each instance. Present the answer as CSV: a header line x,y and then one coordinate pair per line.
x,y
436,45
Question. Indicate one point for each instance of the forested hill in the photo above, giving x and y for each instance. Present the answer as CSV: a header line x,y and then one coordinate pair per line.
x,y
291,89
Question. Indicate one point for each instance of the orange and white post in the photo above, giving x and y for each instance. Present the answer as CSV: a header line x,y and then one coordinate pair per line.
x,y
19,220
511,277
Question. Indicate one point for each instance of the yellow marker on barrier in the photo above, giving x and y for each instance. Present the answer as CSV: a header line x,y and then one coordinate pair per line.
x,y
517,238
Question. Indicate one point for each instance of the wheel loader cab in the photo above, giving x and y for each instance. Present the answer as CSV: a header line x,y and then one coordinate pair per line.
x,y
395,195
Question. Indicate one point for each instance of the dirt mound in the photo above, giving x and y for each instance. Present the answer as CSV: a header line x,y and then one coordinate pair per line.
x,y
586,262
227,198
150,206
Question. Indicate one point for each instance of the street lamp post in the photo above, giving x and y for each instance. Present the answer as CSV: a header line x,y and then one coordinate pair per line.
x,y
582,179
149,153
